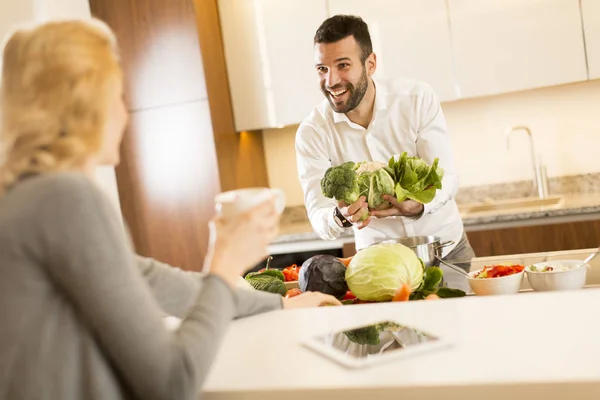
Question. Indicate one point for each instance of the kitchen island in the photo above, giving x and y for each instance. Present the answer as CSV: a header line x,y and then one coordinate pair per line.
x,y
523,346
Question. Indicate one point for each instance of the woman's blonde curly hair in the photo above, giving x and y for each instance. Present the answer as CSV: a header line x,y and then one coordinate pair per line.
x,y
54,97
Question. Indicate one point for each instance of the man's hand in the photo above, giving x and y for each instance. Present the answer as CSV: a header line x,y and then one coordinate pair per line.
x,y
406,208
356,211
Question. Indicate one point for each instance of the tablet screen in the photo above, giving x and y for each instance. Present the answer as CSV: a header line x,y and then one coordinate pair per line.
x,y
372,340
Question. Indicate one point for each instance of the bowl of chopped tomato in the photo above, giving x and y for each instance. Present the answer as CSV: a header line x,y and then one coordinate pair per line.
x,y
557,275
497,279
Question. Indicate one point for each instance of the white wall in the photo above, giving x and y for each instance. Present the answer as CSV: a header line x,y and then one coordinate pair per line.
x,y
15,13
565,121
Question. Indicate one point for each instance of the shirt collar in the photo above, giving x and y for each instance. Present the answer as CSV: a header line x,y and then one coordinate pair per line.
x,y
378,105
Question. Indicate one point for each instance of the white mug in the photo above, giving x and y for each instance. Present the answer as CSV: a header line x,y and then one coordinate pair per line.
x,y
235,202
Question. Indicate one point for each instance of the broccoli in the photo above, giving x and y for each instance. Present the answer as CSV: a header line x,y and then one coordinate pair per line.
x,y
349,181
341,183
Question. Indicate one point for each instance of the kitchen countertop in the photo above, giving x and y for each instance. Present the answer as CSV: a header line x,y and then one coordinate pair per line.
x,y
571,205
295,226
533,345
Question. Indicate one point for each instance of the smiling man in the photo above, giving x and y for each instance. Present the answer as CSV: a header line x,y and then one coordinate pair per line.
x,y
362,119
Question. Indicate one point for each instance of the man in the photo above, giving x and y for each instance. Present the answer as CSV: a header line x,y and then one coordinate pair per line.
x,y
363,119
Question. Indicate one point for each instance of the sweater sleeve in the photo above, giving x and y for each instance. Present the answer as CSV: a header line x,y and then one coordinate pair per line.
x,y
87,257
175,290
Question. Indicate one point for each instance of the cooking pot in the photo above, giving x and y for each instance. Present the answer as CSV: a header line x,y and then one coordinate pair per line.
x,y
427,248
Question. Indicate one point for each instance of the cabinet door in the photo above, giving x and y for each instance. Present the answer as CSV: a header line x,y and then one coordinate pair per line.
x,y
410,38
591,23
511,45
535,239
270,61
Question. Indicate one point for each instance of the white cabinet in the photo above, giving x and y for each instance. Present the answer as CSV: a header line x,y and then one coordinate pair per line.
x,y
62,9
591,23
511,45
270,60
410,38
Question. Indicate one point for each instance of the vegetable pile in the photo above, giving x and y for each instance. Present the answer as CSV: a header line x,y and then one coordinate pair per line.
x,y
380,273
403,177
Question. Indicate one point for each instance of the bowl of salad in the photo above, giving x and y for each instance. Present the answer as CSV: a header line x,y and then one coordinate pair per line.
x,y
557,275
496,279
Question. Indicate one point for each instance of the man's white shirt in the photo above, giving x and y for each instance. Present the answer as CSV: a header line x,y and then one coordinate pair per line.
x,y
407,117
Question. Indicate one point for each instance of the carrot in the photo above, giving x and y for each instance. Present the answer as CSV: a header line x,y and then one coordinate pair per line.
x,y
345,261
402,294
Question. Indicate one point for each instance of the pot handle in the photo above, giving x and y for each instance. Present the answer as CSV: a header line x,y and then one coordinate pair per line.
x,y
445,244
452,266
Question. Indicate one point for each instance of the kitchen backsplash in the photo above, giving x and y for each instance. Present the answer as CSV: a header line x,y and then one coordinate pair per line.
x,y
564,120
572,184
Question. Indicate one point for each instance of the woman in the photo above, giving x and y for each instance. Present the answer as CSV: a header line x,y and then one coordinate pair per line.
x,y
77,318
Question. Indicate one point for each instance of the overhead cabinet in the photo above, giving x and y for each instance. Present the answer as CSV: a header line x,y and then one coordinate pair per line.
x,y
462,48
511,45
590,10
270,62
410,38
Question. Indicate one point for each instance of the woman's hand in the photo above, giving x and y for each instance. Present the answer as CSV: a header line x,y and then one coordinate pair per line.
x,y
238,244
310,299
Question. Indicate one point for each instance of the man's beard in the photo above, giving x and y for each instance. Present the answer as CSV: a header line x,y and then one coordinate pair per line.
x,y
356,94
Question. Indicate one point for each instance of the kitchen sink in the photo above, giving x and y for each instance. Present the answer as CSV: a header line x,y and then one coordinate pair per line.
x,y
514,204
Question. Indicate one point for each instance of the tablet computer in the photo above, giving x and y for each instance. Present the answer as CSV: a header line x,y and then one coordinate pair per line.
x,y
366,345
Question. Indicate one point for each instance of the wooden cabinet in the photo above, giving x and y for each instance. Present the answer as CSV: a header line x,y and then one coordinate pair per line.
x,y
180,148
590,10
410,38
270,61
532,239
511,45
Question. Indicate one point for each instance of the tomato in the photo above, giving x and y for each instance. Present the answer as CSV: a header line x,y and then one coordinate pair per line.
x,y
293,292
291,273
348,296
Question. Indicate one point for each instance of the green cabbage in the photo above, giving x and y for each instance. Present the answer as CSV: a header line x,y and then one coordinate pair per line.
x,y
415,179
376,272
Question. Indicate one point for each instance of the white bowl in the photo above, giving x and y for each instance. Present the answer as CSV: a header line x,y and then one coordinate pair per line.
x,y
509,284
571,279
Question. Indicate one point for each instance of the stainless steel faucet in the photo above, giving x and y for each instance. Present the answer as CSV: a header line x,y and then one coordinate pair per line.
x,y
540,178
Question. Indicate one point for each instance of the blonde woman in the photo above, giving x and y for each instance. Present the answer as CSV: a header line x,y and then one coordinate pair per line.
x,y
80,314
